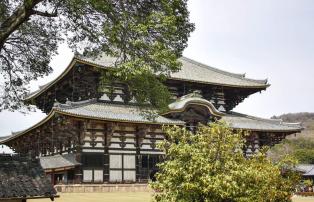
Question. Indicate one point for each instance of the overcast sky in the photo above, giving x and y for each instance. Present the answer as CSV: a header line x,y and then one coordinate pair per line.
x,y
262,38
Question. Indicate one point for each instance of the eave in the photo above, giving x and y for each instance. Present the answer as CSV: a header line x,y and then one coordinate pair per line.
x,y
76,60
59,111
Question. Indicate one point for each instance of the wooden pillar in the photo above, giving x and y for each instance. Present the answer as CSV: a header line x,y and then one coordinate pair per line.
x,y
140,134
52,175
78,148
108,131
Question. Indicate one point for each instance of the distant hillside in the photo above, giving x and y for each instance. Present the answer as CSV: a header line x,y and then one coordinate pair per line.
x,y
307,120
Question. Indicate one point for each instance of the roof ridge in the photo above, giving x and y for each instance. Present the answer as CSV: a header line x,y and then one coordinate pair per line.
x,y
309,171
213,68
122,104
74,104
237,75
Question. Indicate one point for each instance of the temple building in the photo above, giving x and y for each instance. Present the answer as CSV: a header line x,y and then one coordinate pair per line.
x,y
101,136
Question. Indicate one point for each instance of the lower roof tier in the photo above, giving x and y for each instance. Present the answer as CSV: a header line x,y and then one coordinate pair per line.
x,y
95,110
246,122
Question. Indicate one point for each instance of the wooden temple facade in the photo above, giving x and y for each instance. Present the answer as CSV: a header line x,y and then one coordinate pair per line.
x,y
92,136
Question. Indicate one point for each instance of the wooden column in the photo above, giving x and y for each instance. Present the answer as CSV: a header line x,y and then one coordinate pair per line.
x,y
140,134
108,131
78,147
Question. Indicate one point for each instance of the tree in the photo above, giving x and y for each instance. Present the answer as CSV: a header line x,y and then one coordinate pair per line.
x,y
210,166
146,37
301,149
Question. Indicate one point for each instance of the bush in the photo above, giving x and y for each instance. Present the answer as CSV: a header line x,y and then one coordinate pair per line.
x,y
210,166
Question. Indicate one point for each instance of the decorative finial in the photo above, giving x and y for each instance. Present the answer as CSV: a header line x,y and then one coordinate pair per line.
x,y
195,93
56,104
68,102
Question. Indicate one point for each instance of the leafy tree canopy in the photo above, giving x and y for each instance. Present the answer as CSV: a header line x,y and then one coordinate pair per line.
x,y
145,36
210,166
302,149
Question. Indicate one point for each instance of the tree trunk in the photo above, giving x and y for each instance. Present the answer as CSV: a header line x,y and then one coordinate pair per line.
x,y
19,16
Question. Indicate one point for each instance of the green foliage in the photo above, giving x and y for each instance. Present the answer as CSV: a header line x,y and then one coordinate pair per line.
x,y
146,37
210,166
295,117
302,149
308,183
145,87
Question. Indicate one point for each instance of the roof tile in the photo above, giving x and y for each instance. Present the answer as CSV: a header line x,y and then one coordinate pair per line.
x,y
114,112
246,122
23,178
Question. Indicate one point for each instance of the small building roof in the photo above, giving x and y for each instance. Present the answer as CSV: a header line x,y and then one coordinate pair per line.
x,y
246,122
58,161
305,169
21,178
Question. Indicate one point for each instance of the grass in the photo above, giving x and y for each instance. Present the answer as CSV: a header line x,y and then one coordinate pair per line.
x,y
101,197
122,197
302,199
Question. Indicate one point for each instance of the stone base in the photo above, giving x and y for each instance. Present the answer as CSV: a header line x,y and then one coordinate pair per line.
x,y
85,188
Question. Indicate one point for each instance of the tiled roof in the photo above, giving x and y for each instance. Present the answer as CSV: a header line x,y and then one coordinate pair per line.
x,y
190,71
194,71
4,137
242,121
58,161
91,109
22,178
306,169
309,173
113,112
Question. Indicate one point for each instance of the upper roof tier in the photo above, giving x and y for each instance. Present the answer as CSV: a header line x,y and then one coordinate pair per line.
x,y
193,71
190,71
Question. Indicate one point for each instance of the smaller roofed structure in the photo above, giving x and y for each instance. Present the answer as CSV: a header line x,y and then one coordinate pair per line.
x,y
58,162
307,170
22,179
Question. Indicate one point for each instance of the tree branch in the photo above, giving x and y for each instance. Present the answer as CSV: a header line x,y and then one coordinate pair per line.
x,y
19,16
45,14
